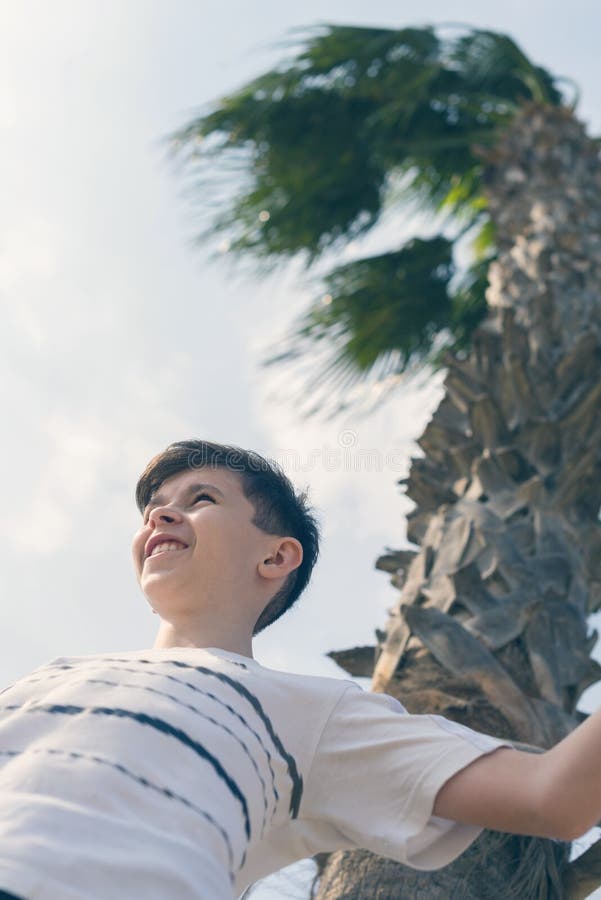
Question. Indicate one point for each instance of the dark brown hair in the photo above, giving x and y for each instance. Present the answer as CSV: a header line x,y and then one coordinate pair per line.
x,y
278,508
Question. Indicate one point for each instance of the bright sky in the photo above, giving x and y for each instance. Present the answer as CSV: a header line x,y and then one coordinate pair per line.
x,y
119,336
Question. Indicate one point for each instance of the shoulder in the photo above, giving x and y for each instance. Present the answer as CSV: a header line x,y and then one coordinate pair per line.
x,y
319,686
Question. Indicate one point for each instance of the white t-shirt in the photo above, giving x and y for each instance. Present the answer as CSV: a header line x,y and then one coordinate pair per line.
x,y
191,773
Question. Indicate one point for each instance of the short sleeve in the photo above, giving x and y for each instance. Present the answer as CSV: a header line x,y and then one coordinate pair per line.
x,y
374,778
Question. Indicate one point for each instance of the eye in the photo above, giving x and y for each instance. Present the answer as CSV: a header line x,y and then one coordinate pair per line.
x,y
196,499
200,497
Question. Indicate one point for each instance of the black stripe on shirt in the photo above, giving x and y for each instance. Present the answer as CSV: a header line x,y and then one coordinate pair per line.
x,y
295,776
194,709
160,725
193,687
140,779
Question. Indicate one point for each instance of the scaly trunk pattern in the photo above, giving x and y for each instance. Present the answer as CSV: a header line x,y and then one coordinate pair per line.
x,y
491,624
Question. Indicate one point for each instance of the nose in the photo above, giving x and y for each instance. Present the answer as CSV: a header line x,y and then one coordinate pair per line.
x,y
164,514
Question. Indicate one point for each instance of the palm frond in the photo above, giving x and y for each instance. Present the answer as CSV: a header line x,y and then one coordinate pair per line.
x,y
354,122
386,305
321,133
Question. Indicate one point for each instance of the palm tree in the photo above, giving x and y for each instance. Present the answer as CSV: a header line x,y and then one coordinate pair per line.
x,y
490,625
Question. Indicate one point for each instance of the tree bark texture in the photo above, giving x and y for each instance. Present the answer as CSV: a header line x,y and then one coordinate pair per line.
x,y
490,627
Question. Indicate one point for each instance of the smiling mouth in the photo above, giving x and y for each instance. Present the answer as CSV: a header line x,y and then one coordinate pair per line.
x,y
164,553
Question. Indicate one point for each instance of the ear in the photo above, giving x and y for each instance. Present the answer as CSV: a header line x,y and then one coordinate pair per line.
x,y
285,557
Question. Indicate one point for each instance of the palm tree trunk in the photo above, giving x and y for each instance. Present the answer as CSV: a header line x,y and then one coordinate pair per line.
x,y
490,628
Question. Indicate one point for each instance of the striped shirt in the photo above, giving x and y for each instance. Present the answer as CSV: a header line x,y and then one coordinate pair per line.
x,y
191,773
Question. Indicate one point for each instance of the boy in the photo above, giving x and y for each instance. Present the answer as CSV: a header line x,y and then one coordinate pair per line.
x,y
189,770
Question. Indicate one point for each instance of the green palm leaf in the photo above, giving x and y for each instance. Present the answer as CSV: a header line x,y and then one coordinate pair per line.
x,y
359,121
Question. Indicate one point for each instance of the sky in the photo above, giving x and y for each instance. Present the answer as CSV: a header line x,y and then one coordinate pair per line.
x,y
120,335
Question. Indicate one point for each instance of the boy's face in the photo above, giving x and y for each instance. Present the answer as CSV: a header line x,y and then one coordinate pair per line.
x,y
215,563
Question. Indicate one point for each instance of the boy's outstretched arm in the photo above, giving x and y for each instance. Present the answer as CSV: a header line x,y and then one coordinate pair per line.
x,y
555,794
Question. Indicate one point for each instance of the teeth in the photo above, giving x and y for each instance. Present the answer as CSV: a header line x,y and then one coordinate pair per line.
x,y
167,545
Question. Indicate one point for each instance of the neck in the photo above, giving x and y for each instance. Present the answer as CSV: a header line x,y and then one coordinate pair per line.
x,y
169,635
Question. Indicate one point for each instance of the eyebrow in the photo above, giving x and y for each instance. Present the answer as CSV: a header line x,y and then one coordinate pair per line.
x,y
158,499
